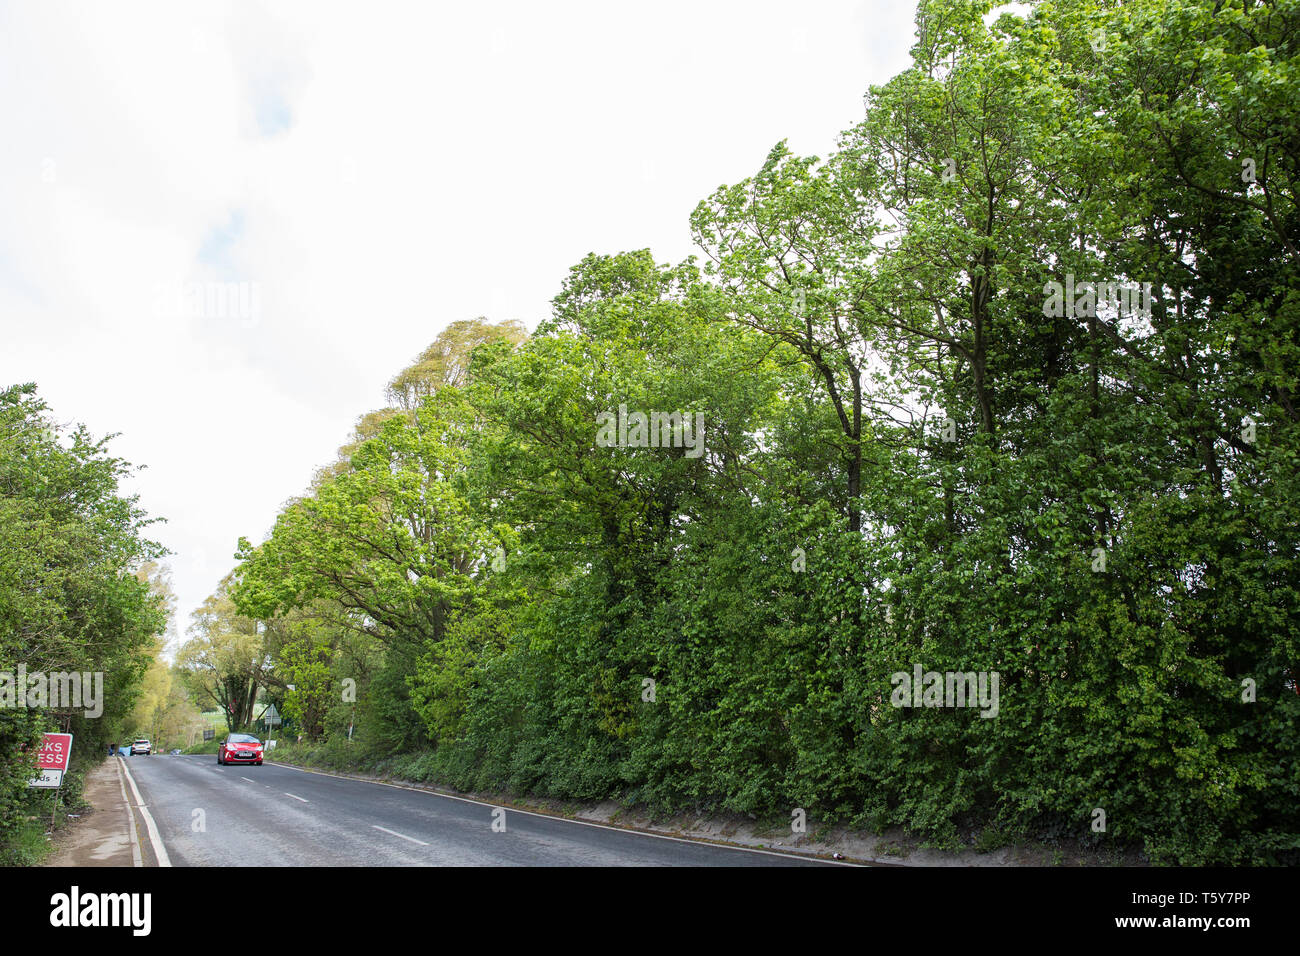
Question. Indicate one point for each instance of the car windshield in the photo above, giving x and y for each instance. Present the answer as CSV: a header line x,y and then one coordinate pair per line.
x,y
242,739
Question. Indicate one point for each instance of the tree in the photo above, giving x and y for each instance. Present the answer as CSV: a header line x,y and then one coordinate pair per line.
x,y
70,597
225,661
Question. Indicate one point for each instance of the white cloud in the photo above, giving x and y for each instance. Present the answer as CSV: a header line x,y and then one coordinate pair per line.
x,y
388,169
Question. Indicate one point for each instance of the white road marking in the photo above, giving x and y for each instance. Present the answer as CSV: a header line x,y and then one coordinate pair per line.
x,y
295,796
250,781
401,835
583,823
155,839
130,819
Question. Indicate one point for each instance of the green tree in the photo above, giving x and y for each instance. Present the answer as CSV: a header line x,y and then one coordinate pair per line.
x,y
70,597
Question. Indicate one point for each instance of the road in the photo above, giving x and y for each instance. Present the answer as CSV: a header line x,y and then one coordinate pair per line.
x,y
274,815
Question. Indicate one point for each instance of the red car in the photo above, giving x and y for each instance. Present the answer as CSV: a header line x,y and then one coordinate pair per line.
x,y
240,748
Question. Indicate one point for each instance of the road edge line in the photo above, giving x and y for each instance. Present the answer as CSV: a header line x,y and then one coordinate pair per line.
x,y
155,838
136,859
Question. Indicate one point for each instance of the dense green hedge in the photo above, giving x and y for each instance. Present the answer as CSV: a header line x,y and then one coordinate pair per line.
x,y
912,460
70,597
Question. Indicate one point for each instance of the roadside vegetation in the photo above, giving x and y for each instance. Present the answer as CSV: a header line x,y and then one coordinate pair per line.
x,y
80,592
1007,386
925,446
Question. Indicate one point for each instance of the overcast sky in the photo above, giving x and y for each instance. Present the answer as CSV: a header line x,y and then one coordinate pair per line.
x,y
369,172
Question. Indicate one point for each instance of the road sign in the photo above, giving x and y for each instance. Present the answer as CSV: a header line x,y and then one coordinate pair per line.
x,y
49,780
54,752
209,734
271,716
52,761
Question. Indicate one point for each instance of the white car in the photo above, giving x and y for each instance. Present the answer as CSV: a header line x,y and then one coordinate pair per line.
x,y
141,747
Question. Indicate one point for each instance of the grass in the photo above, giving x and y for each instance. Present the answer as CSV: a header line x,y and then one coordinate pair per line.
x,y
27,845
204,747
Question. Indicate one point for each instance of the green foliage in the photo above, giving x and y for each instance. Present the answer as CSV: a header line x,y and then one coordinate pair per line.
x,y
909,458
70,597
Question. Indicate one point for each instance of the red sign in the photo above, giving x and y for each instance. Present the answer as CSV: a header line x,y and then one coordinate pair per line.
x,y
54,752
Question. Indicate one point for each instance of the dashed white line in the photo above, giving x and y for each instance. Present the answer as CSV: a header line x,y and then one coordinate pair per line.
x,y
296,797
399,835
585,823
250,781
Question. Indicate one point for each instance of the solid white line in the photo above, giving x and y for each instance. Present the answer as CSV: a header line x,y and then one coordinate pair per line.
x,y
295,796
130,819
583,823
401,835
155,839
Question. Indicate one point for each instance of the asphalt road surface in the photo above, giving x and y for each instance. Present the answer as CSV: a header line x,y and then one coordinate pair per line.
x,y
272,815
